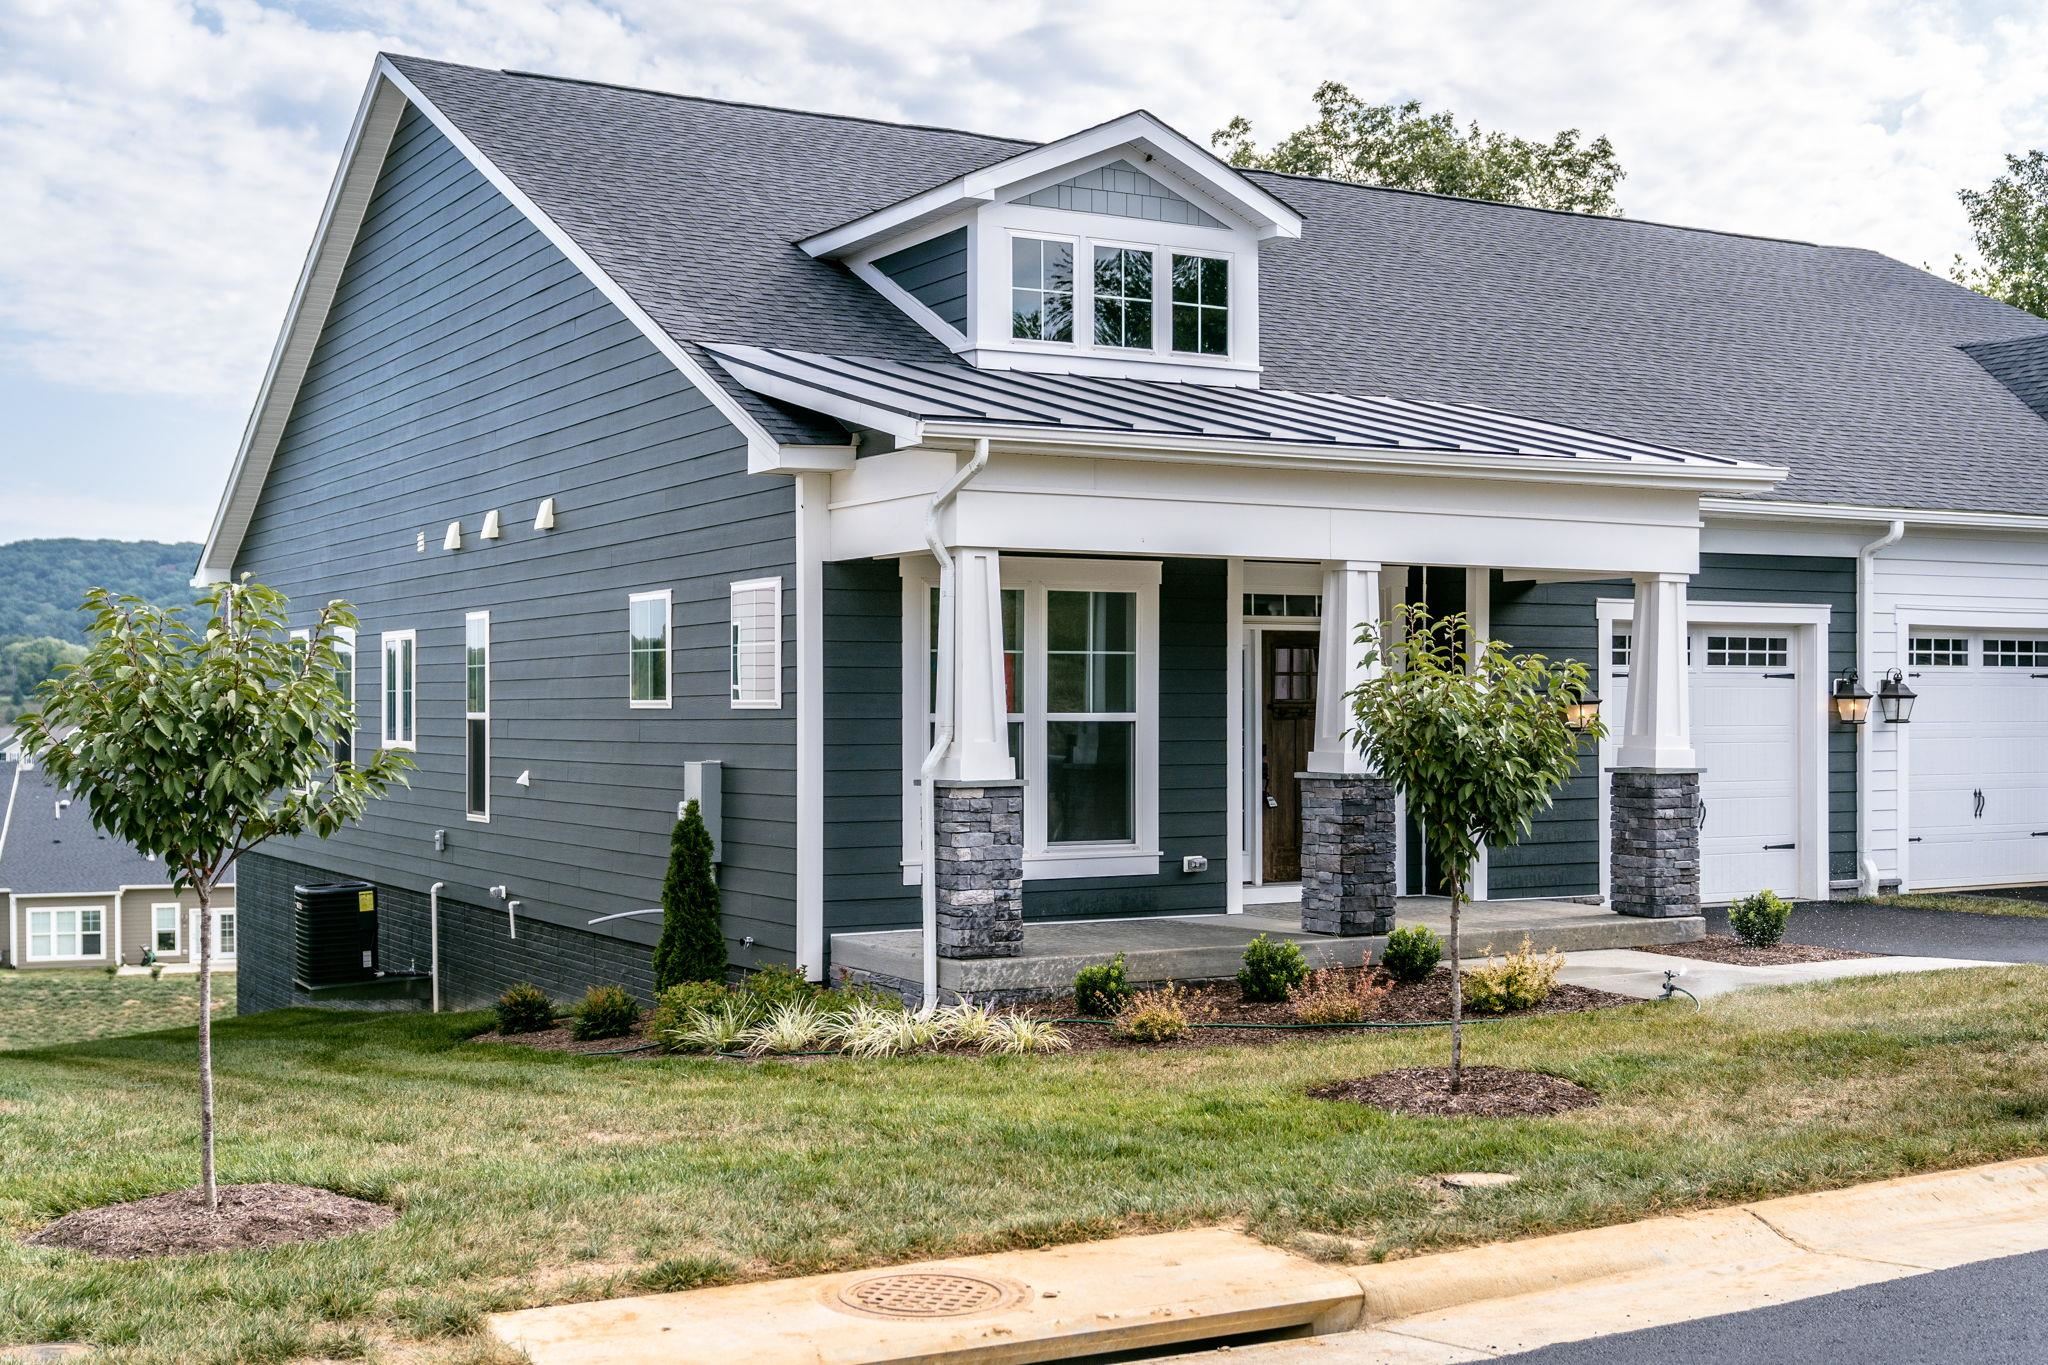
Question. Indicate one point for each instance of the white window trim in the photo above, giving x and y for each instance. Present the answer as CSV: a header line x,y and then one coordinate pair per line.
x,y
387,710
177,948
478,817
1035,577
774,586
29,912
668,649
1163,294
220,912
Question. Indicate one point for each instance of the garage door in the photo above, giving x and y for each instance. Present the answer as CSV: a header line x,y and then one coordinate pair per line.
x,y
1977,759
1745,733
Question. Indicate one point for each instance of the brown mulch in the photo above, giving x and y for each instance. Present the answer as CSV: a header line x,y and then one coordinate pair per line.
x,y
1488,1092
561,1040
1723,948
177,1224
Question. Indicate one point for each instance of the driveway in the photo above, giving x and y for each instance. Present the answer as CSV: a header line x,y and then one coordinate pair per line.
x,y
1912,933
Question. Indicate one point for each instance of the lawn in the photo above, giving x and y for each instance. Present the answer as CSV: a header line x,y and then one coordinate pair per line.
x,y
528,1178
39,1008
1969,904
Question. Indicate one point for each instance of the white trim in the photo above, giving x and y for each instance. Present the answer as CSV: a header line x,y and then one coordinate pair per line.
x,y
79,909
1763,510
482,817
177,909
1236,822
387,709
813,527
772,646
668,650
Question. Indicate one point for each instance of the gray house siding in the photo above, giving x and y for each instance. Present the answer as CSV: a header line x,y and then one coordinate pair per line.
x,y
864,757
1561,856
466,365
935,274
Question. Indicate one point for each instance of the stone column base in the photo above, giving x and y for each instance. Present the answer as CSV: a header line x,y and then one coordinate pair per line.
x,y
1655,851
1347,854
980,891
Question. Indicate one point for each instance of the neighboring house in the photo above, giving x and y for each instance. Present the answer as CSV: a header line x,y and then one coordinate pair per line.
x,y
630,422
78,897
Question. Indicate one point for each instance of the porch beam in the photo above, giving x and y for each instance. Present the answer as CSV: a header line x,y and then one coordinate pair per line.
x,y
1351,597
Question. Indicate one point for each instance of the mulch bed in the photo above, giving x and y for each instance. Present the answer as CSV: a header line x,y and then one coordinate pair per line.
x,y
177,1224
1489,1092
561,1040
1723,948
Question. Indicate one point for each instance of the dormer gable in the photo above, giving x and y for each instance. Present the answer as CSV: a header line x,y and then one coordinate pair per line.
x,y
1125,249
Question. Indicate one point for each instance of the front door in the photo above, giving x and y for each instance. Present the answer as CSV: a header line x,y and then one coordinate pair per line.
x,y
1289,727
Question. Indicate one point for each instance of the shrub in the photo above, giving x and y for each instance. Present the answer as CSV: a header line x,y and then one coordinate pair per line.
x,y
156,971
1521,980
1412,953
606,1012
1101,990
767,987
718,1029
525,1008
1015,1034
1759,920
1156,1016
964,1025
792,1026
692,946
674,1006
1336,996
1271,969
849,996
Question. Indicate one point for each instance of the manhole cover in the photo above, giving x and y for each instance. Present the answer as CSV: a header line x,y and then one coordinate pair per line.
x,y
926,1294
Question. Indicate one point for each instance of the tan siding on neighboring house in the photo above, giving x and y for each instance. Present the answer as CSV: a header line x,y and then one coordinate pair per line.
x,y
133,925
138,919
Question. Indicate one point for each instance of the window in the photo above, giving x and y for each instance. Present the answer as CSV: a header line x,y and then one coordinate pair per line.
x,y
66,933
400,680
1617,650
224,933
1013,667
1123,297
1938,651
476,712
2016,653
345,678
1091,715
648,639
1748,651
757,644
1283,604
1041,289
164,928
1201,305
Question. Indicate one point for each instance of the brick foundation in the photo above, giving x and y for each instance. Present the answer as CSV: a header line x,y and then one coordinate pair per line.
x,y
1347,854
980,888
1654,818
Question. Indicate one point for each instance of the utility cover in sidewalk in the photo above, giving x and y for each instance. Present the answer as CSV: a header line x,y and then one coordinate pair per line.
x,y
926,1294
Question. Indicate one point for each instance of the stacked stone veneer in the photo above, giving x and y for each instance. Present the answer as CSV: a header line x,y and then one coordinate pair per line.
x,y
1656,846
1347,854
980,889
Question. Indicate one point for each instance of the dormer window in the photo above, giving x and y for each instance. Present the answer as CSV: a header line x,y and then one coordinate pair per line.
x,y
1201,305
1041,289
1123,297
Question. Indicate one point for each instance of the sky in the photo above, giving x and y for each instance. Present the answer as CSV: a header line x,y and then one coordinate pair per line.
x,y
163,164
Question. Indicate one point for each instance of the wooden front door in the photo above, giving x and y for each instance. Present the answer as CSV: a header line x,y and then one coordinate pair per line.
x,y
1289,728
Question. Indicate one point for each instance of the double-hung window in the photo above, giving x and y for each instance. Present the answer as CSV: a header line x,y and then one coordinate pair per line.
x,y
400,686
647,649
1041,289
756,663
345,678
67,933
1201,304
163,928
476,713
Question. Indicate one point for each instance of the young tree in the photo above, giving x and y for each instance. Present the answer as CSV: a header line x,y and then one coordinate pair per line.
x,y
1401,147
1478,741
692,946
196,746
2009,223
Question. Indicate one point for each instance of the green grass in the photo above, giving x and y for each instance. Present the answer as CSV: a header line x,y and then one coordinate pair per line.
x,y
529,1178
1969,904
41,1008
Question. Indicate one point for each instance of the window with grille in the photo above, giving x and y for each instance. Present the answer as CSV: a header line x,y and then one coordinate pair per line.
x,y
1748,651
400,688
757,644
476,673
1618,649
1201,305
1938,651
647,640
164,928
1283,604
2016,653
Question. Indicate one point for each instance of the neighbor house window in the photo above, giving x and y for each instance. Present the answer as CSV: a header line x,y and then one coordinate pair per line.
x,y
66,933
224,932
1123,297
164,928
1041,289
400,678
647,647
756,674
476,712
1201,305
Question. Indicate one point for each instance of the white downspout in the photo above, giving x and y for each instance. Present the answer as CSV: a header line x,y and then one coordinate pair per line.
x,y
434,941
942,716
1866,866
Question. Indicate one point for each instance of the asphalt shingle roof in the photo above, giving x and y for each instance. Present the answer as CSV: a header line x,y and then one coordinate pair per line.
x,y
1842,364
2022,366
47,851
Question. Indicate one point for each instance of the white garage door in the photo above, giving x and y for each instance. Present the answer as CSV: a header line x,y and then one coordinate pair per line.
x,y
1977,759
1745,733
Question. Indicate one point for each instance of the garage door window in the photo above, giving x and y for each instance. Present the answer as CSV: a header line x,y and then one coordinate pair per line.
x,y
1748,651
2016,653
1938,651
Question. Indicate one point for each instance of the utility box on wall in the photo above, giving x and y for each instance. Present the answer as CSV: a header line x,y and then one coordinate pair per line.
x,y
704,783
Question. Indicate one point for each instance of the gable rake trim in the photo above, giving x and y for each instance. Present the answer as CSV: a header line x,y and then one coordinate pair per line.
x,y
369,141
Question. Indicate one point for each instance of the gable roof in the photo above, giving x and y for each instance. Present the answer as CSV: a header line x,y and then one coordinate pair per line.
x,y
43,850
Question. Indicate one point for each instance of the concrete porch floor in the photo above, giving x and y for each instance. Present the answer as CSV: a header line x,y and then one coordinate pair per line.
x,y
1201,947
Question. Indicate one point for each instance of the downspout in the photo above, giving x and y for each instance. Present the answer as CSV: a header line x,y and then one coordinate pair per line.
x,y
434,941
942,716
1866,866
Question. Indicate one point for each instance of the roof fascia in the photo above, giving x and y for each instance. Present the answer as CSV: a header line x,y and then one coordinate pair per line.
x,y
1757,509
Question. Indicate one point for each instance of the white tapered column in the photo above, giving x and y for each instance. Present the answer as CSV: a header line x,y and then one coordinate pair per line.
x,y
1351,598
981,730
1656,733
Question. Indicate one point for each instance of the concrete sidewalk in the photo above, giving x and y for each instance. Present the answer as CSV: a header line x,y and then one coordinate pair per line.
x,y
1627,971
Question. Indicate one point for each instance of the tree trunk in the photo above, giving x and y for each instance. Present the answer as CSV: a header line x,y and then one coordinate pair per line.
x,y
206,1051
1457,993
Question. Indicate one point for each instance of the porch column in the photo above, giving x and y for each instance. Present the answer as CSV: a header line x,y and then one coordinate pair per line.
x,y
978,814
1347,811
1654,811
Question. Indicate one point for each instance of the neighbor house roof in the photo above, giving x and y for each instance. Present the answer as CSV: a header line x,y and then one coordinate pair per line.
x,y
47,849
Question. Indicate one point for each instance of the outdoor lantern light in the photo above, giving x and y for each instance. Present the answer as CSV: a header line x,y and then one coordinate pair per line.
x,y
1850,700
1895,699
1581,711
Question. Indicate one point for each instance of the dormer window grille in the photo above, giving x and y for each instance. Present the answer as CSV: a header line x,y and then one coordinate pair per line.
x,y
1041,289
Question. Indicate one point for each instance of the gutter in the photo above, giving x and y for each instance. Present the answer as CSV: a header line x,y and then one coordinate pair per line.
x,y
1866,866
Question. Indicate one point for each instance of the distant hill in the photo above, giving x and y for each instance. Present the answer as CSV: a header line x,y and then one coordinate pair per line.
x,y
42,581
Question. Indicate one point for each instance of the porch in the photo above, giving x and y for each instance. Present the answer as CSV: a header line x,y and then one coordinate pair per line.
x,y
1204,947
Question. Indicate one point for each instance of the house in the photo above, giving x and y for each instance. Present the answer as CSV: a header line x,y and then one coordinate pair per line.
x,y
78,897
871,480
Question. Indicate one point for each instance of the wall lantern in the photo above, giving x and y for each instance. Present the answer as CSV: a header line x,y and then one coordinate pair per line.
x,y
1582,710
1895,699
1850,700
